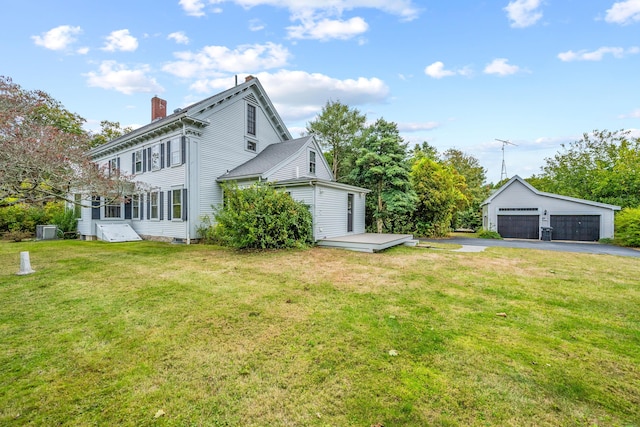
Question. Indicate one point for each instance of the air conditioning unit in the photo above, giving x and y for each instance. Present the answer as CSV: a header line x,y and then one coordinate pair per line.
x,y
46,232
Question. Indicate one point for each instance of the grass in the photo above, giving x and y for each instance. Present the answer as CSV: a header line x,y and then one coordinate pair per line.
x,y
144,334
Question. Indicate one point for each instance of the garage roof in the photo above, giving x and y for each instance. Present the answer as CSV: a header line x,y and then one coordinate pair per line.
x,y
543,194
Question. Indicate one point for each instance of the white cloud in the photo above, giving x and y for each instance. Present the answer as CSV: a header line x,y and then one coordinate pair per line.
x,y
437,71
57,38
83,50
114,76
635,114
624,12
326,29
179,37
256,25
193,7
301,95
120,40
500,67
318,19
221,59
523,13
402,8
417,127
598,54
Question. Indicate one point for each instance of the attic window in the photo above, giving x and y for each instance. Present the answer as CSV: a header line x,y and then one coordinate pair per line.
x,y
251,145
312,162
251,119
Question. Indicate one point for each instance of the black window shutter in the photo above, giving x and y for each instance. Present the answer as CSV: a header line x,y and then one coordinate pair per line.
x,y
184,204
149,158
133,163
148,205
95,207
168,153
161,156
127,208
144,160
169,205
184,149
141,206
118,164
161,203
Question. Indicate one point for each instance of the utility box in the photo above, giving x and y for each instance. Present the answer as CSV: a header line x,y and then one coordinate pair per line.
x,y
546,234
46,232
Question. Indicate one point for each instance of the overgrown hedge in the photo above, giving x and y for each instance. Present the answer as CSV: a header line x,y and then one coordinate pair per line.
x,y
628,227
259,217
20,220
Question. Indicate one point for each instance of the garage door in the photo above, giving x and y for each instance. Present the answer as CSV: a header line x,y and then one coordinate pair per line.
x,y
584,228
519,226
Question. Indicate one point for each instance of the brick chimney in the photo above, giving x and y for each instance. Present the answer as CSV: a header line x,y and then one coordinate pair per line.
x,y
158,108
249,77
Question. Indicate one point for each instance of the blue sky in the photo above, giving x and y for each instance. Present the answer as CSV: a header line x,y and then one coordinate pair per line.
x,y
458,74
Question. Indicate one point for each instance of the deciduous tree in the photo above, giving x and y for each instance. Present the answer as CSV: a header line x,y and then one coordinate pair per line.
x,y
336,129
43,151
603,166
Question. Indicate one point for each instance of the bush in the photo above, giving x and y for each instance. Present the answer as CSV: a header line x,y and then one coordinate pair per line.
x,y
488,234
260,217
66,221
22,217
628,227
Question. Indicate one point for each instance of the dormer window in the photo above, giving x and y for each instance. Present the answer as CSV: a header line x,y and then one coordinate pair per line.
x,y
251,119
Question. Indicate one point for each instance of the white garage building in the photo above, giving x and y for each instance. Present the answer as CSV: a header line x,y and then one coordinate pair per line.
x,y
518,210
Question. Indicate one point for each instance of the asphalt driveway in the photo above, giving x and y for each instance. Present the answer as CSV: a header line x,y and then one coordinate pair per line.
x,y
580,247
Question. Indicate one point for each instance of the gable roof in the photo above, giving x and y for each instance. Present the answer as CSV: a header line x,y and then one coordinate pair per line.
x,y
190,116
268,159
531,188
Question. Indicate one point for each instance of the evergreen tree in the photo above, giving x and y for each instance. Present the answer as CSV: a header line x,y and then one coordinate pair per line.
x,y
381,166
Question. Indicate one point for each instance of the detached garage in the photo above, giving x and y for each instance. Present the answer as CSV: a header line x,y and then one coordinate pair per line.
x,y
517,210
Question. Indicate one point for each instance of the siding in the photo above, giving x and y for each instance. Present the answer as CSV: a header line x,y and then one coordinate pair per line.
x,y
518,195
299,168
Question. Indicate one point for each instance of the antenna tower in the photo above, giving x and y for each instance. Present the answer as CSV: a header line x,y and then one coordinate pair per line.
x,y
503,174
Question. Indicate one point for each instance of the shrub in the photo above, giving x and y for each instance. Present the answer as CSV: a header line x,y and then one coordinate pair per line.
x,y
628,227
65,219
261,217
489,234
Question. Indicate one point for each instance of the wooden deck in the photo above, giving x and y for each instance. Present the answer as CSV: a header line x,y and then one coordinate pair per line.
x,y
368,242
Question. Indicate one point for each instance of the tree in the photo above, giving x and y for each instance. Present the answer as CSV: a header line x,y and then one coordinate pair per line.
x,y
441,191
476,190
44,151
336,129
382,167
109,130
603,166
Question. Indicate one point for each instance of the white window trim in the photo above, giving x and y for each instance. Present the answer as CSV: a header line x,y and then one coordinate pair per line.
x,y
156,156
314,154
157,217
246,121
176,148
180,192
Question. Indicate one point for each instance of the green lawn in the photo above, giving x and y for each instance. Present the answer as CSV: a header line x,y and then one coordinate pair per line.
x,y
169,335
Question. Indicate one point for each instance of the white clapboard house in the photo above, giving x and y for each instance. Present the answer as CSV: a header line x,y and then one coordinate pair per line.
x,y
236,135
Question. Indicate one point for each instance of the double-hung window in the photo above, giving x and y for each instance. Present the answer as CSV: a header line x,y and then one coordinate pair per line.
x,y
154,202
137,162
176,203
312,162
135,206
176,152
114,165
